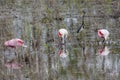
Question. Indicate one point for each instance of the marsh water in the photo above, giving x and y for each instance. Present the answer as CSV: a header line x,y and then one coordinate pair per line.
x,y
83,57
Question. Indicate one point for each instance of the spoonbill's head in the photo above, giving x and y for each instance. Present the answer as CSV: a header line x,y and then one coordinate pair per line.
x,y
63,33
13,43
103,33
20,43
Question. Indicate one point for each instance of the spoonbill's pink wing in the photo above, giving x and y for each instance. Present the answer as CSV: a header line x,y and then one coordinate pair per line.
x,y
10,43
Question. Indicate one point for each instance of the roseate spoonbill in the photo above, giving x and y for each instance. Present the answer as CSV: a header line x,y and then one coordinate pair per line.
x,y
13,43
103,33
63,33
82,25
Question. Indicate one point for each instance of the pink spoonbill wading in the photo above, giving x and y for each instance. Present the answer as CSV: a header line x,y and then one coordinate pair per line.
x,y
63,33
14,43
103,33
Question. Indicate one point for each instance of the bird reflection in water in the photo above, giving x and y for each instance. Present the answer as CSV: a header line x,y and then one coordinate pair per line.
x,y
104,51
63,53
13,65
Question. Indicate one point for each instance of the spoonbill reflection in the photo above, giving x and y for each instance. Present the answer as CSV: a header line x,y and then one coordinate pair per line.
x,y
63,53
13,65
13,43
63,33
103,33
104,51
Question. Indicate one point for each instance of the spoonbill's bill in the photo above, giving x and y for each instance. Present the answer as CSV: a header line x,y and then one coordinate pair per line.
x,y
63,33
103,33
13,43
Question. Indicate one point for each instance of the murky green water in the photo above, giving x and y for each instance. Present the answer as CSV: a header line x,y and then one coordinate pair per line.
x,y
37,22
79,60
